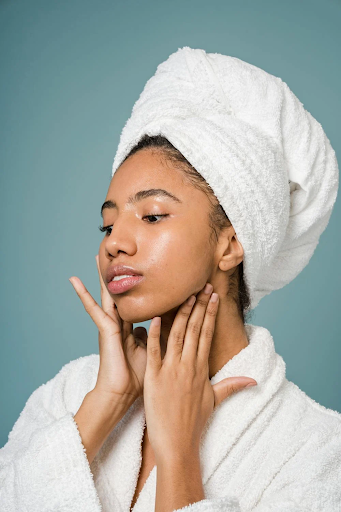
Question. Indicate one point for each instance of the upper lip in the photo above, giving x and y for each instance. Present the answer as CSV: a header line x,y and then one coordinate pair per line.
x,y
119,270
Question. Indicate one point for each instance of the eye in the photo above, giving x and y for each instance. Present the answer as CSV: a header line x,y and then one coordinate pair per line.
x,y
154,215
105,229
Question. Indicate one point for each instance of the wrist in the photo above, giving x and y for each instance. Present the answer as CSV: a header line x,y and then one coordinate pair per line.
x,y
95,419
177,457
108,409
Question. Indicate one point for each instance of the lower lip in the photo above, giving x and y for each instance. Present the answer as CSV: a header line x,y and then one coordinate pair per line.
x,y
124,284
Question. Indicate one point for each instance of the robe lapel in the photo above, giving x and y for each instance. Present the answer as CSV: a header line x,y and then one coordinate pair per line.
x,y
121,456
233,416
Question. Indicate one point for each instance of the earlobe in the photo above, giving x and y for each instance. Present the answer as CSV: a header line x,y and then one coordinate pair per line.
x,y
230,261
225,263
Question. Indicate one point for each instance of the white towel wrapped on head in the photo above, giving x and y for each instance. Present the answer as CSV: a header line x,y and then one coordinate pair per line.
x,y
268,161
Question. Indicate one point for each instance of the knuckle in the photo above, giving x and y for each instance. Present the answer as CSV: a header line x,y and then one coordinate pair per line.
x,y
154,351
178,339
91,306
232,388
201,302
84,295
84,291
194,328
183,312
208,332
211,310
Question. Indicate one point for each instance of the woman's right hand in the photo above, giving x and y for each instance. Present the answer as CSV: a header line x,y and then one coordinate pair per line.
x,y
122,350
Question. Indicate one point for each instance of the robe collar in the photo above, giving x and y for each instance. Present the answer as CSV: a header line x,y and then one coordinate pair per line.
x,y
119,460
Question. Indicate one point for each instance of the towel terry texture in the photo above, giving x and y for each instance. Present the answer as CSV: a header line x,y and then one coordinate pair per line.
x,y
267,160
269,448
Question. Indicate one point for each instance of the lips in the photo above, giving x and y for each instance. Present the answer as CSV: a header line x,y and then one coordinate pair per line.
x,y
119,270
124,284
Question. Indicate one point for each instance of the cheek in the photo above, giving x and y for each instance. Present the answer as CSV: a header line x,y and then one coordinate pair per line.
x,y
179,258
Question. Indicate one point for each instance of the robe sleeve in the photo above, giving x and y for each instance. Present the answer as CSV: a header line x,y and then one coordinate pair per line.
x,y
43,465
309,482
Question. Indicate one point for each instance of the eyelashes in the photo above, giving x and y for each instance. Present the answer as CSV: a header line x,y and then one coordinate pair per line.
x,y
105,229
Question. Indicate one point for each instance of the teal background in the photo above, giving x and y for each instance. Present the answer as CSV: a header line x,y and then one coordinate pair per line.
x,y
71,72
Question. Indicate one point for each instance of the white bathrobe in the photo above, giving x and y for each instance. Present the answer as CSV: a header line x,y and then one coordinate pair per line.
x,y
268,448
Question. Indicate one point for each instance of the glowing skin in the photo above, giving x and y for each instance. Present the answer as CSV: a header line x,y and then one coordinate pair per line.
x,y
173,253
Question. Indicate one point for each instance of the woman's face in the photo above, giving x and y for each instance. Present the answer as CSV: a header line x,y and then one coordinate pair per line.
x,y
173,253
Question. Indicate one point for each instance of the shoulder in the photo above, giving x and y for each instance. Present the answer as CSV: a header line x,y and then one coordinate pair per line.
x,y
314,412
310,459
311,422
73,381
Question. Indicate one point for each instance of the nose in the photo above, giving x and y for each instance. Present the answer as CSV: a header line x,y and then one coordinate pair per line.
x,y
121,238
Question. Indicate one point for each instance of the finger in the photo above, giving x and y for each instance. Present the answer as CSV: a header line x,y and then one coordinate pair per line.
x,y
128,336
153,345
207,330
101,319
120,321
127,328
106,299
178,330
229,386
194,327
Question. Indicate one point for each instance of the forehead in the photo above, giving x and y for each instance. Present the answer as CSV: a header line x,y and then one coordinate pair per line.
x,y
148,169
146,165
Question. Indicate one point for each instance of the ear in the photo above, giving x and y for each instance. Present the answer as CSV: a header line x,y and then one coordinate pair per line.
x,y
231,250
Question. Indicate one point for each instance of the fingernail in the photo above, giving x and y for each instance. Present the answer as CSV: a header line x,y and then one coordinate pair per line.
x,y
74,285
214,297
191,300
251,384
208,288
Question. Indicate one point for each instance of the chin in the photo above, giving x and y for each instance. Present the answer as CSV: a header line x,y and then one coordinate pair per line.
x,y
135,315
143,308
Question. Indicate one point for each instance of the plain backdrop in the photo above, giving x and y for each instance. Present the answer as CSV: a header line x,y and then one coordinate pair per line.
x,y
71,71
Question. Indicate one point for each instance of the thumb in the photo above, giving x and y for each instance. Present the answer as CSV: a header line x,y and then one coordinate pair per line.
x,y
227,387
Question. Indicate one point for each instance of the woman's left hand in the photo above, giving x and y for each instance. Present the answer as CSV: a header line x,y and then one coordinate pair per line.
x,y
178,395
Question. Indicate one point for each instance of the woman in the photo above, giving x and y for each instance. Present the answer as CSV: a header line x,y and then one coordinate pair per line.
x,y
222,185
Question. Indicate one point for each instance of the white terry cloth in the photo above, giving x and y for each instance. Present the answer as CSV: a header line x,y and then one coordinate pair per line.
x,y
268,448
268,161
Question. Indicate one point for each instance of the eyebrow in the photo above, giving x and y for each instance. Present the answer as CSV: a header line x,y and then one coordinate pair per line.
x,y
142,194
